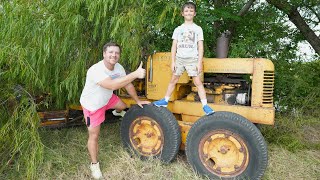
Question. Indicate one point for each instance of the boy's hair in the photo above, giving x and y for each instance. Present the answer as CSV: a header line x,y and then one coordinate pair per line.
x,y
111,44
189,5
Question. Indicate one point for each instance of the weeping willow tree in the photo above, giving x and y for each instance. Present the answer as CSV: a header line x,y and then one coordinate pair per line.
x,y
46,47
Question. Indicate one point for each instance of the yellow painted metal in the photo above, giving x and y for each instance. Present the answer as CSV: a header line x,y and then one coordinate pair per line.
x,y
146,136
184,128
228,65
261,66
254,114
161,75
189,118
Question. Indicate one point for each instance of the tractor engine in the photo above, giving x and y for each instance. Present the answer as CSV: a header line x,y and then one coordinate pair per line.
x,y
224,89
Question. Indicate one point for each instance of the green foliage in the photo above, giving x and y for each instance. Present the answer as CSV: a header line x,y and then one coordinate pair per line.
x,y
299,87
21,147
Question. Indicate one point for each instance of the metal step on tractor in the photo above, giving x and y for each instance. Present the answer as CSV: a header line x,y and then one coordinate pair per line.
x,y
225,145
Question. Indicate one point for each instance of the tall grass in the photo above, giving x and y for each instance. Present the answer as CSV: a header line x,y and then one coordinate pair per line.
x,y
66,156
294,133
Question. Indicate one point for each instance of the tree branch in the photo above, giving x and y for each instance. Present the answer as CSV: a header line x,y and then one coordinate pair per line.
x,y
299,22
245,8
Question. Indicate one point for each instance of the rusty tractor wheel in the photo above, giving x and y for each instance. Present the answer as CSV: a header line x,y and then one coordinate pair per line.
x,y
151,132
226,145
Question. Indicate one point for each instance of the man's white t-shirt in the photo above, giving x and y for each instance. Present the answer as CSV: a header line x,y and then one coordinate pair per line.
x,y
94,96
187,36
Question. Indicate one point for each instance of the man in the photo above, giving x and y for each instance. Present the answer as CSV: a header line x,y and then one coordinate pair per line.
x,y
97,96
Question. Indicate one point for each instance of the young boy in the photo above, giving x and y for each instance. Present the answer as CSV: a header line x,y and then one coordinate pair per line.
x,y
187,54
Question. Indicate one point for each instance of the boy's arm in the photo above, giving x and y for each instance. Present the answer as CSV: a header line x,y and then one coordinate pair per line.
x,y
200,56
173,53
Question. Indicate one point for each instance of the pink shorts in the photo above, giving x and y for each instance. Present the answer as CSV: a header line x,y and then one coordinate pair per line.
x,y
95,118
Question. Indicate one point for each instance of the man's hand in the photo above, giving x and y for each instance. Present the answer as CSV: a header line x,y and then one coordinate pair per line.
x,y
140,72
140,103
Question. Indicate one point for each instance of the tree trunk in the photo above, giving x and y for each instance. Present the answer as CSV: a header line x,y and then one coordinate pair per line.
x,y
299,22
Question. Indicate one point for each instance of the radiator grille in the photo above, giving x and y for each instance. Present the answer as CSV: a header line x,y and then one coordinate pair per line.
x,y
268,85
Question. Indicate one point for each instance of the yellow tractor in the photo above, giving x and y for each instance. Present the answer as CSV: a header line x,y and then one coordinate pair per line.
x,y
224,145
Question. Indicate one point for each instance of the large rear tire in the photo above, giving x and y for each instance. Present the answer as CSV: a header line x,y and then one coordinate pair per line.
x,y
151,132
226,145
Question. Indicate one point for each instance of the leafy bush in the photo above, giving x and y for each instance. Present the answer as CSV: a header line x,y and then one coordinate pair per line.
x,y
297,88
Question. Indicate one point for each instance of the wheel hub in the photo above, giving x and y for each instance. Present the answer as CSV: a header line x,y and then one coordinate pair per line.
x,y
223,153
146,136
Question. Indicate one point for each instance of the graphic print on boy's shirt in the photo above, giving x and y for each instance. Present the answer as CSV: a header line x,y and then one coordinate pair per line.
x,y
188,39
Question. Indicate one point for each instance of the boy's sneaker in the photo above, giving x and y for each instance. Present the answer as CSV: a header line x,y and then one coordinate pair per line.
x,y
161,103
95,171
207,109
121,114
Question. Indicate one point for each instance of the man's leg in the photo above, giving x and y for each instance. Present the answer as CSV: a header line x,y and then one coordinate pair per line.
x,y
93,146
120,106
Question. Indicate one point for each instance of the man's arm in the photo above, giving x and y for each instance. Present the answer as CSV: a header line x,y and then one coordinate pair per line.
x,y
133,93
114,84
118,83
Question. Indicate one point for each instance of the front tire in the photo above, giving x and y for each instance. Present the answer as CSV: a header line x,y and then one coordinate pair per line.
x,y
226,145
151,132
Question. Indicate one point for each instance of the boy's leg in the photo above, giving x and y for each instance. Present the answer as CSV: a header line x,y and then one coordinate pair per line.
x,y
172,84
202,94
197,82
164,102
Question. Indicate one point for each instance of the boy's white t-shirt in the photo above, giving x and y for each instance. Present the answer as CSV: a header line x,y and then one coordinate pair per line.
x,y
187,36
94,96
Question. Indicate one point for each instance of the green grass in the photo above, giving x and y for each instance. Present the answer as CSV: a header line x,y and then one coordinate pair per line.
x,y
293,154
